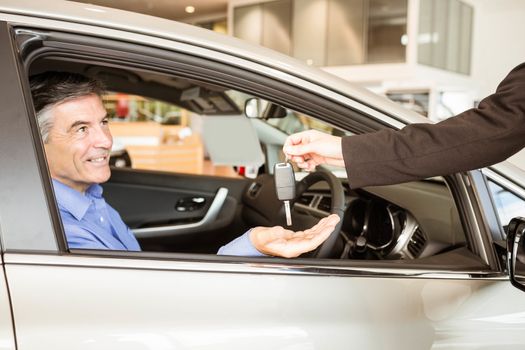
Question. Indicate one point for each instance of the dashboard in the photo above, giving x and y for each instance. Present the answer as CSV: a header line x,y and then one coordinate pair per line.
x,y
406,221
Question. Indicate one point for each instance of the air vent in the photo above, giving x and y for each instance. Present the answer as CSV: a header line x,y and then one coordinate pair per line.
x,y
305,199
325,204
417,243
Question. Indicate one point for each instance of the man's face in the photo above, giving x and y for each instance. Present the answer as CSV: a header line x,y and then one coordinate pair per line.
x,y
79,143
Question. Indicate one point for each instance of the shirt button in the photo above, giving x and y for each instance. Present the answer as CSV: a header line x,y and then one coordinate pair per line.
x,y
101,219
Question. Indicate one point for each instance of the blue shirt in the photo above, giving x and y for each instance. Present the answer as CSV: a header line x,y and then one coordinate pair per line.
x,y
90,223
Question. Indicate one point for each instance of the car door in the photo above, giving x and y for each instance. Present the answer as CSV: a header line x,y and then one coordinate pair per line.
x,y
63,299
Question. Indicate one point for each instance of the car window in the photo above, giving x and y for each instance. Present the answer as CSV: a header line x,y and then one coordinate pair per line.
x,y
408,221
202,197
508,204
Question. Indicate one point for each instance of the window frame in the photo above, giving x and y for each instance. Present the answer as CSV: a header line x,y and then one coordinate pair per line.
x,y
37,43
290,95
29,183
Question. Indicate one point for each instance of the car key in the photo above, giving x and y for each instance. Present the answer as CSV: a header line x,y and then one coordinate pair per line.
x,y
285,187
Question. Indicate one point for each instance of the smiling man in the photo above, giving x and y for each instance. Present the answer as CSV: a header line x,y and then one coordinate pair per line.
x,y
81,142
74,127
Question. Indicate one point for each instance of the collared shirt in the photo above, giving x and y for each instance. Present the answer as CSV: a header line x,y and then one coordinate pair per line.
x,y
91,223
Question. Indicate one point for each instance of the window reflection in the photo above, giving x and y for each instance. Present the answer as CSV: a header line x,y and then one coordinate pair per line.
x,y
508,205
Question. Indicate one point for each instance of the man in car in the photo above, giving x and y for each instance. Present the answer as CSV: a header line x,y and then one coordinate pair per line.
x,y
74,127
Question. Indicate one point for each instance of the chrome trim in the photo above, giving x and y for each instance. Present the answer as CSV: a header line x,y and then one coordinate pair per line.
x,y
488,221
479,247
257,266
504,182
411,225
510,171
210,216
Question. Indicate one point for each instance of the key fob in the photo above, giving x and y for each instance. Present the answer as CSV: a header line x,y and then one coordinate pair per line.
x,y
284,181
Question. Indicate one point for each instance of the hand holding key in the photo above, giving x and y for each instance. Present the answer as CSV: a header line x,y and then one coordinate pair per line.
x,y
285,187
311,148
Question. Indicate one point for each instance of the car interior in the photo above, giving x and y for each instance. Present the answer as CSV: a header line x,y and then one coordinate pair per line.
x,y
193,169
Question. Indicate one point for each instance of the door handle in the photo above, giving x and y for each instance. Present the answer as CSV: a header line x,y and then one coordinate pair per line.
x,y
211,215
190,204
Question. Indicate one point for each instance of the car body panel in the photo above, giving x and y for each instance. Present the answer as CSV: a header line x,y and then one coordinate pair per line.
x,y
293,310
21,189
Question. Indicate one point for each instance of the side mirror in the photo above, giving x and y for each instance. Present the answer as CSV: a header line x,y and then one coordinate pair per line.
x,y
253,108
516,252
258,108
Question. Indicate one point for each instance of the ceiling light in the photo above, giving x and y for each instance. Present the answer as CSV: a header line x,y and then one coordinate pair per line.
x,y
404,40
189,9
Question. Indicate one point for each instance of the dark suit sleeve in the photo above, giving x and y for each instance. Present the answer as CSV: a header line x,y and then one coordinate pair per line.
x,y
473,139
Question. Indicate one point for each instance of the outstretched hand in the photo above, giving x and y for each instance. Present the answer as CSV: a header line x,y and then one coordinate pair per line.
x,y
311,148
278,241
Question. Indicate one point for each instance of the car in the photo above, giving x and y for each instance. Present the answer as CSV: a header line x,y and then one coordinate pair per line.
x,y
417,265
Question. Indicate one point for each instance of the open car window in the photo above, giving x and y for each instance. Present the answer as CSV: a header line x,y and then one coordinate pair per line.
x,y
176,198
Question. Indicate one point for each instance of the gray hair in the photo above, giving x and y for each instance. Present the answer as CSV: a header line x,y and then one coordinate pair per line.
x,y
51,88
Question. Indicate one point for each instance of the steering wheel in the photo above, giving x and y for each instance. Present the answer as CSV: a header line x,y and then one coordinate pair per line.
x,y
337,206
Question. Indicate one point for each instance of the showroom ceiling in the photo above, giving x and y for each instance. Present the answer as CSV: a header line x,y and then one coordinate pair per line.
x,y
175,10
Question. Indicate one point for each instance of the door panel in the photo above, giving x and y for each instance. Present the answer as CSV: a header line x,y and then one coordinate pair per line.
x,y
177,212
101,303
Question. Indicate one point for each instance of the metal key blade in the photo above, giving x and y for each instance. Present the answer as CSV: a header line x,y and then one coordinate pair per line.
x,y
288,213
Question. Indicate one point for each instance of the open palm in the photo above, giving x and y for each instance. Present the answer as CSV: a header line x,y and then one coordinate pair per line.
x,y
278,241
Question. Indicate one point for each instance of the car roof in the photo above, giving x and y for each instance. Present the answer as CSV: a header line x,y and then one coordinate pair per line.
x,y
69,11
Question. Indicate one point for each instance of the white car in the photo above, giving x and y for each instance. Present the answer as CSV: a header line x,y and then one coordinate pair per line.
x,y
420,265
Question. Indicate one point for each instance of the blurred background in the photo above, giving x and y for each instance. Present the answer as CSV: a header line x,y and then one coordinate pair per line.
x,y
436,57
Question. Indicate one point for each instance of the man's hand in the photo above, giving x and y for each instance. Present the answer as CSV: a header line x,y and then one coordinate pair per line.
x,y
312,148
278,241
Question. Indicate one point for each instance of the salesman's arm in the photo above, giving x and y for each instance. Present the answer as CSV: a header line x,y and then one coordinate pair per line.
x,y
473,139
